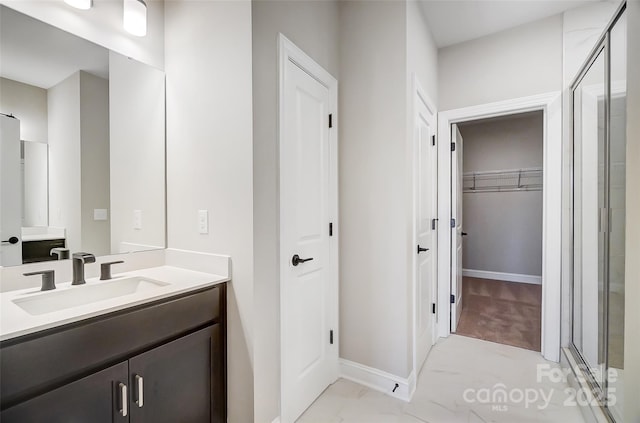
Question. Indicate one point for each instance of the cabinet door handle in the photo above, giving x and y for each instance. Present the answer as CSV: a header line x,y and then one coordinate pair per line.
x,y
140,386
123,400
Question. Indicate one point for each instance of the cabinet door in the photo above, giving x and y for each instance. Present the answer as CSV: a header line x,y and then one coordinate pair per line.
x,y
179,381
96,398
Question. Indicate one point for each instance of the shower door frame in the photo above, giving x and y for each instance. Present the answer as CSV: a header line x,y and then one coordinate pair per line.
x,y
603,45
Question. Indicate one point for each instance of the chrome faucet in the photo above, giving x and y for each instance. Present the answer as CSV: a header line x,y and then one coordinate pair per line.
x,y
79,260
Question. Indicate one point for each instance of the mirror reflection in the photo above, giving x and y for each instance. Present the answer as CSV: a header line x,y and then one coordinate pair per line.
x,y
82,149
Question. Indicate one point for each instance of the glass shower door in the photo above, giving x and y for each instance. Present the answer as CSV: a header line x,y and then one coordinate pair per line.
x,y
599,218
617,205
589,294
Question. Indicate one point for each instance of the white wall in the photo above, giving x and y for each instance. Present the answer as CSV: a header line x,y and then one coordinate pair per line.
x,y
504,228
581,29
27,103
209,159
94,156
422,53
518,62
102,24
632,269
64,159
312,26
374,242
137,153
35,184
78,146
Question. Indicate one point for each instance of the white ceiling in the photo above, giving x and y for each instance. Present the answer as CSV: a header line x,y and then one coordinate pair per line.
x,y
455,21
38,54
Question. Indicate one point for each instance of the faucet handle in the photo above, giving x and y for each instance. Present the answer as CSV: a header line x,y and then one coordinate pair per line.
x,y
61,253
48,279
84,257
105,269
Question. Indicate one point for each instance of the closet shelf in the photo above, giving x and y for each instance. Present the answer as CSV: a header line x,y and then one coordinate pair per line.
x,y
529,179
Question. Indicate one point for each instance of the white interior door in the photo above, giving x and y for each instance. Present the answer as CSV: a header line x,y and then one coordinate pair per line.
x,y
456,230
10,193
308,280
426,232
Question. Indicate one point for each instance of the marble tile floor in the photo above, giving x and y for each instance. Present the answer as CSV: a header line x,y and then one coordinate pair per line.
x,y
458,370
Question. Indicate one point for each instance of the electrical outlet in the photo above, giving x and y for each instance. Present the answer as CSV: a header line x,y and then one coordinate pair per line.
x,y
203,222
137,219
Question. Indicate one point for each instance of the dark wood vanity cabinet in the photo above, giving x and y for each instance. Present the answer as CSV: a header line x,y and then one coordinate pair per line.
x,y
180,378
90,399
176,380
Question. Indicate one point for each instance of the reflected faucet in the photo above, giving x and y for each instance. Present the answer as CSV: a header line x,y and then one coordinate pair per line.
x,y
60,253
79,260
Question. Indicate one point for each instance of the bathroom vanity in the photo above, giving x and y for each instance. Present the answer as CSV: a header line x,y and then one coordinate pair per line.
x,y
157,355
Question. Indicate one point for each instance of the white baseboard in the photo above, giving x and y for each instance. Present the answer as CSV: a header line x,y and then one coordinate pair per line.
x,y
500,276
378,379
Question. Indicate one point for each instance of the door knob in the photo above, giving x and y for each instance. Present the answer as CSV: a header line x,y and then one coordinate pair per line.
x,y
296,260
12,240
421,250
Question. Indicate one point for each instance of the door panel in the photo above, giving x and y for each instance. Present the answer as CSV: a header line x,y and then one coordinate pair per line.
x,y
10,192
426,172
306,309
96,398
456,232
178,381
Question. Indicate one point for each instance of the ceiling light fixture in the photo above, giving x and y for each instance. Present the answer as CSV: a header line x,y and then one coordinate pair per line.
x,y
135,17
80,4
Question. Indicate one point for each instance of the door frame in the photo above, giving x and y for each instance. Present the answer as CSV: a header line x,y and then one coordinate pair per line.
x,y
420,95
551,106
289,52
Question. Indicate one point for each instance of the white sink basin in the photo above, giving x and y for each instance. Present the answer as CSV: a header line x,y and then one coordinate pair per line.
x,y
74,296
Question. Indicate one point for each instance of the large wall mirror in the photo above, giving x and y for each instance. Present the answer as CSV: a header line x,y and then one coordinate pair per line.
x,y
82,154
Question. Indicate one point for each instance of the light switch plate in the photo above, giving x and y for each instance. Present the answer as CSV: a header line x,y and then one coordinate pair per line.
x,y
203,222
137,219
100,214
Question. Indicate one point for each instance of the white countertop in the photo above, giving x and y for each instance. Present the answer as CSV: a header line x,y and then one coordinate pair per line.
x,y
42,233
14,321
40,237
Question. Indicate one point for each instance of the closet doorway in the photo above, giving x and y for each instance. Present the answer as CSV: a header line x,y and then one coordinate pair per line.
x,y
553,178
497,179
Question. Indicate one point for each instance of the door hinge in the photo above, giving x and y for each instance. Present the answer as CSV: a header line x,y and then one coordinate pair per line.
x,y
433,224
331,229
453,146
453,299
433,140
453,222
433,308
331,121
331,336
